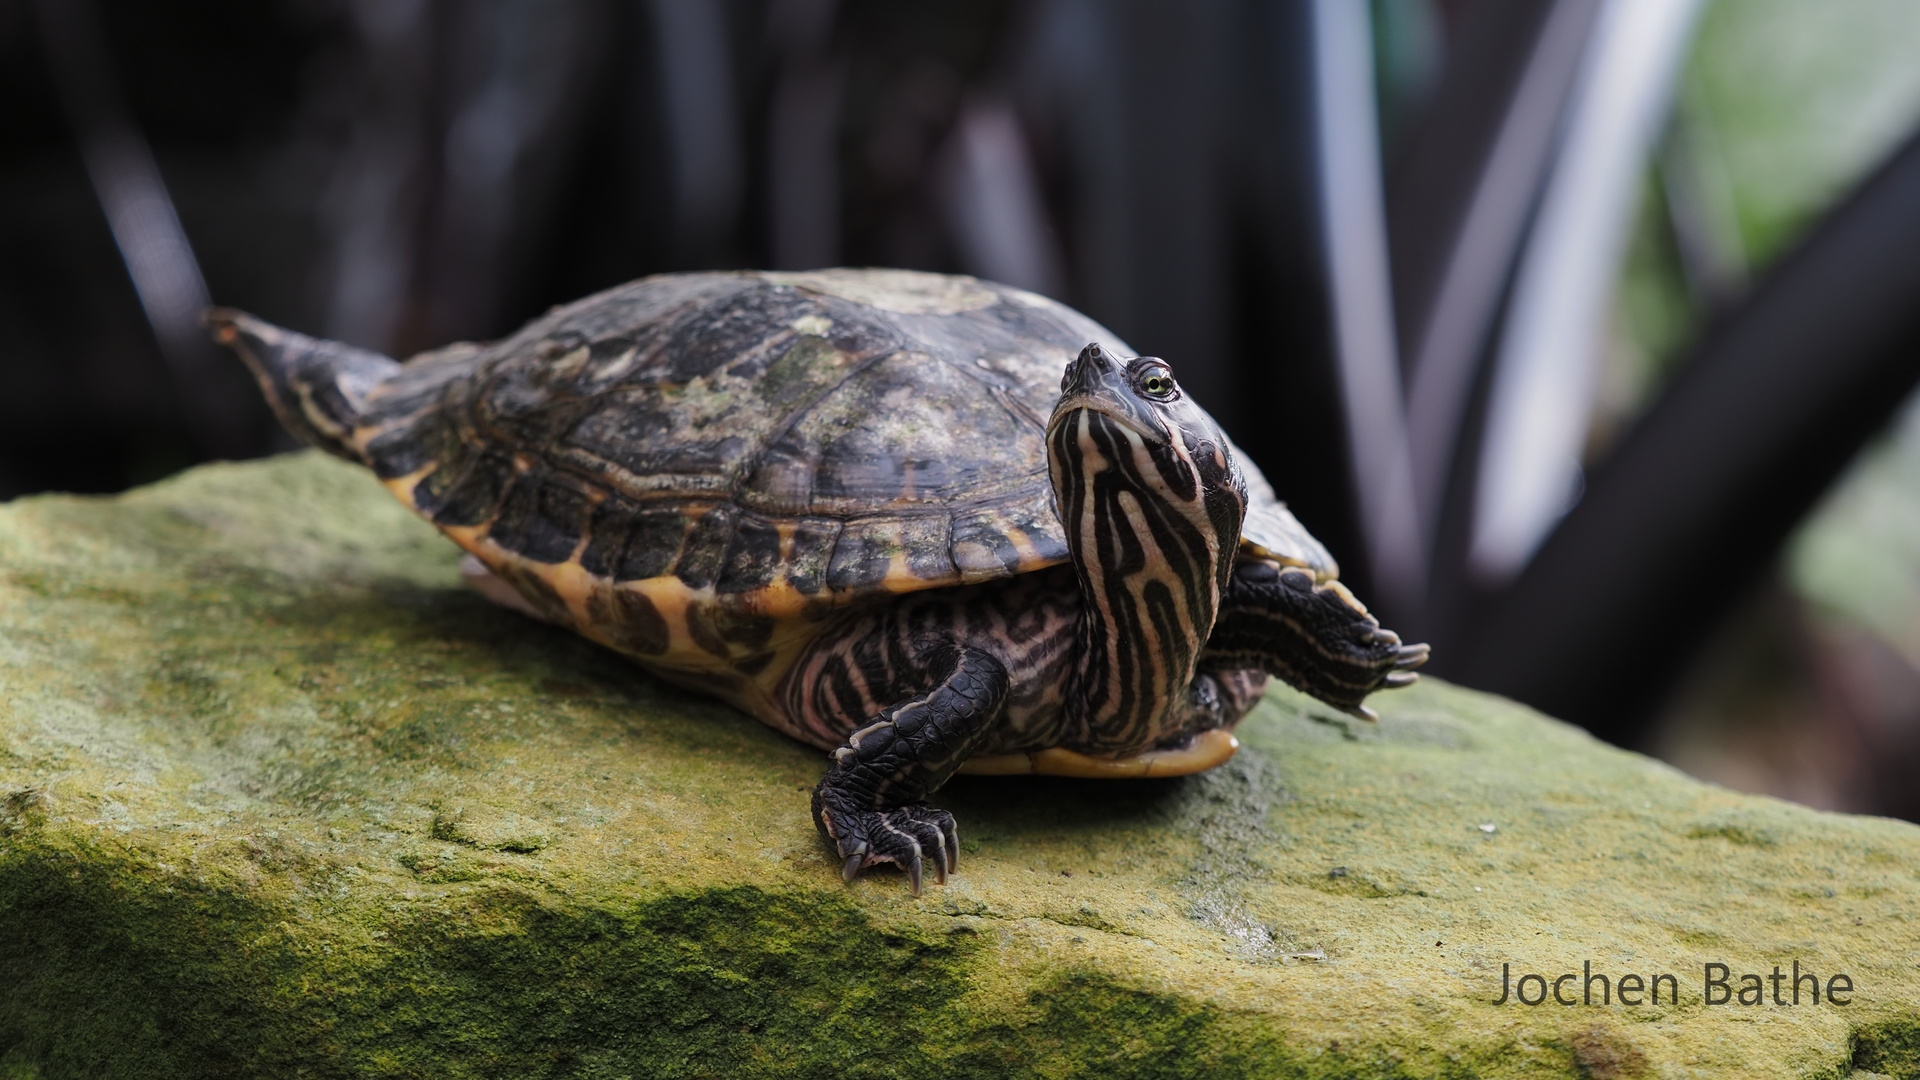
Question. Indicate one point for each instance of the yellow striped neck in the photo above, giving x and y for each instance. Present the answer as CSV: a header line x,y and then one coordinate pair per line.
x,y
1151,560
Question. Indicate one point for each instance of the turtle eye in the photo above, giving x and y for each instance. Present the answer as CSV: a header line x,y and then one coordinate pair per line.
x,y
1157,382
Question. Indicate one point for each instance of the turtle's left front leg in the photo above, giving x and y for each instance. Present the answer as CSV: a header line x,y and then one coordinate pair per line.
x,y
869,804
1316,637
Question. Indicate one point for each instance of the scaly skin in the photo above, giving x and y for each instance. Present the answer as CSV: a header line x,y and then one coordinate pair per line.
x,y
1315,637
870,659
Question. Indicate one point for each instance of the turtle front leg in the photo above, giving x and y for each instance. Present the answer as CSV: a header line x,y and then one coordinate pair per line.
x,y
869,804
1317,638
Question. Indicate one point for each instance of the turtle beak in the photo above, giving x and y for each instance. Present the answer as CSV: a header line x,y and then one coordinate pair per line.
x,y
1097,380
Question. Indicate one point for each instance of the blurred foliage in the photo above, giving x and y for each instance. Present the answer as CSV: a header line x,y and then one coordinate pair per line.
x,y
1804,98
1858,556
1813,692
1782,108
1654,318
1843,87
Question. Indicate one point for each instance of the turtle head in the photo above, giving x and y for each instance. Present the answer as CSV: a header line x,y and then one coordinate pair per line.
x,y
1151,500
1126,425
1140,394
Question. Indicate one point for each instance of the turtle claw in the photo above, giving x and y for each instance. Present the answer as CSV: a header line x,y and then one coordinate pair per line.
x,y
1397,679
1411,656
908,836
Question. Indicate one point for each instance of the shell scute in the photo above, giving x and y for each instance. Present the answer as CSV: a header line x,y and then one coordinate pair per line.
x,y
730,635
738,336
753,556
537,589
655,536
619,428
703,554
608,526
809,554
865,554
905,433
543,517
630,621
809,366
403,451
1017,532
466,493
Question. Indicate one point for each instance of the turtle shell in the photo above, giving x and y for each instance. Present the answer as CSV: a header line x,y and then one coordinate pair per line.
x,y
692,467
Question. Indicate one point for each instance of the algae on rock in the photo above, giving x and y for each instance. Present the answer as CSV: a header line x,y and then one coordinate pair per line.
x,y
278,797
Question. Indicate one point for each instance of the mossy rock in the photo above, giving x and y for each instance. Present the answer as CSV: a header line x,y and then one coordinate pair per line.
x,y
278,797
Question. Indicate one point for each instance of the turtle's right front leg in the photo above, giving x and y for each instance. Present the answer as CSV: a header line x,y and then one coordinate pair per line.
x,y
869,804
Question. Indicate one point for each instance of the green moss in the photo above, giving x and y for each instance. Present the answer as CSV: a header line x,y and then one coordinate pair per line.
x,y
1087,1024
1891,1048
113,969
1734,832
729,982
107,971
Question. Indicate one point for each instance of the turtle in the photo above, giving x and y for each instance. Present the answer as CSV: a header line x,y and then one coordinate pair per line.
x,y
927,523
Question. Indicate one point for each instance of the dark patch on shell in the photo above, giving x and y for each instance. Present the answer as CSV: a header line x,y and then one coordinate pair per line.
x,y
399,452
981,544
655,535
738,334
607,530
812,553
704,553
538,592
630,620
621,432
867,550
753,558
744,629
429,495
542,518
465,497
706,635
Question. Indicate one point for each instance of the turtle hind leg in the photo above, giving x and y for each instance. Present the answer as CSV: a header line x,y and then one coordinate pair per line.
x,y
318,389
1317,638
868,806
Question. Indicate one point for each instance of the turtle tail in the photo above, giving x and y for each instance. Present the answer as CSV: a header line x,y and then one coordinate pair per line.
x,y
317,388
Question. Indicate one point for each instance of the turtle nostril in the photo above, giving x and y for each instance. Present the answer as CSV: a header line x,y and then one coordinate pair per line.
x,y
1092,362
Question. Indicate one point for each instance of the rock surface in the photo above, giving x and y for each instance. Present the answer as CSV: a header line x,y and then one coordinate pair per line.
x,y
279,798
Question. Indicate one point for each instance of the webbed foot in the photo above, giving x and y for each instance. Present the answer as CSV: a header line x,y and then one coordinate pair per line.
x,y
911,837
1316,636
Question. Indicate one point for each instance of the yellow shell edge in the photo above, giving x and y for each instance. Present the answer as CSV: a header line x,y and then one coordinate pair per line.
x,y
1208,749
